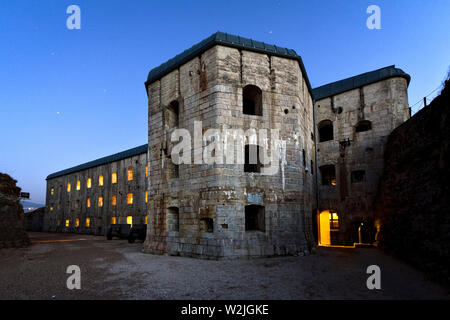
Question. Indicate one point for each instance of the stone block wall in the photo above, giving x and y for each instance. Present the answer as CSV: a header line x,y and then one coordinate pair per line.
x,y
12,218
413,209
385,105
209,89
63,205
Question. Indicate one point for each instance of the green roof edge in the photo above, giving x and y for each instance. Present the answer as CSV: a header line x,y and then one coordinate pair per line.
x,y
228,40
101,161
358,81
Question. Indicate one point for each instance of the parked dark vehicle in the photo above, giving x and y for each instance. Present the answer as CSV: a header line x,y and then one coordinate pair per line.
x,y
137,232
118,230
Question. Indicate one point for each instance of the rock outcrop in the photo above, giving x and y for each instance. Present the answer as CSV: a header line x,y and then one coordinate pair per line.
x,y
12,218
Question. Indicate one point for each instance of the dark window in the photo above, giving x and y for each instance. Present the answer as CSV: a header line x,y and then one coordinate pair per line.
x,y
358,176
252,158
325,130
255,218
363,125
173,114
328,173
312,167
173,169
252,100
173,219
304,157
206,225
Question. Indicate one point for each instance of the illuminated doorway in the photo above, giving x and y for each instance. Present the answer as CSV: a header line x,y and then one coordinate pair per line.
x,y
327,221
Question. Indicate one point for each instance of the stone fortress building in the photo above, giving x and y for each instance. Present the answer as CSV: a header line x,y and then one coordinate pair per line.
x,y
319,187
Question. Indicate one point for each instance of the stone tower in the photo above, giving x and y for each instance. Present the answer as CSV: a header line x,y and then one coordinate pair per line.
x,y
238,209
354,118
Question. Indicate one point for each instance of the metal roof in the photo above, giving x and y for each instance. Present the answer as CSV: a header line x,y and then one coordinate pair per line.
x,y
105,160
358,81
229,40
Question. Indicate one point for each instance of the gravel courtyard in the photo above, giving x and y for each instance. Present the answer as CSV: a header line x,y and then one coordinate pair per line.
x,y
118,270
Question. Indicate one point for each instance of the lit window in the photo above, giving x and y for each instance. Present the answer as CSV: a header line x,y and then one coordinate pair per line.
x,y
89,183
130,174
67,222
100,201
146,196
68,186
145,219
114,200
88,202
78,185
100,181
88,222
146,171
52,191
114,177
51,208
113,220
334,220
77,222
130,198
129,220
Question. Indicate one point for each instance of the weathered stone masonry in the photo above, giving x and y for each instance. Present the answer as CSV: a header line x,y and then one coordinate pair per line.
x,y
64,207
329,160
359,121
209,88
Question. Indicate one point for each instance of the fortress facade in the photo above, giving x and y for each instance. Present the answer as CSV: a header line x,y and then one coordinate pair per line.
x,y
270,165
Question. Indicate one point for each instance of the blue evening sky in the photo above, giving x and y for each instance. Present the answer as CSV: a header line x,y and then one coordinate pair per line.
x,y
71,96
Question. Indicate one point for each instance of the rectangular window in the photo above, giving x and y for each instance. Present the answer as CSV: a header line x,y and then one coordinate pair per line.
x,y
130,174
78,185
145,219
89,183
334,221
100,181
51,207
358,176
328,173
68,186
129,220
100,201
67,222
77,222
88,222
114,200
113,220
146,196
253,162
130,198
255,218
52,191
146,171
88,202
114,177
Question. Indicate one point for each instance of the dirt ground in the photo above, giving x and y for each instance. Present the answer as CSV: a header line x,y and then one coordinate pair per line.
x,y
118,270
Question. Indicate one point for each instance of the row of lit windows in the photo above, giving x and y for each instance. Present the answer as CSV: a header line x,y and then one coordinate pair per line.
x,y
87,222
113,200
100,180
